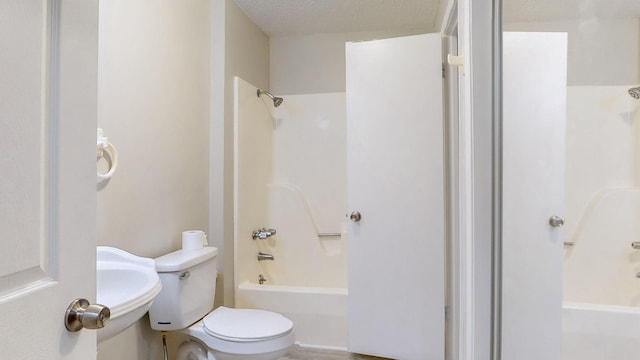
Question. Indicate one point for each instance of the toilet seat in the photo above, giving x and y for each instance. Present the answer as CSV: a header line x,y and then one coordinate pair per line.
x,y
245,325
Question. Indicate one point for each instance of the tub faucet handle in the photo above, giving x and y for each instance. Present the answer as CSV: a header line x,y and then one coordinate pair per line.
x,y
263,233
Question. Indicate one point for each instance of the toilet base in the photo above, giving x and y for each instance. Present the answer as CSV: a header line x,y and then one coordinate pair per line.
x,y
216,355
195,350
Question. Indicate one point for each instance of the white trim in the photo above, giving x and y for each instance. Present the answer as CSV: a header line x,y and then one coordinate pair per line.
x,y
473,218
476,24
461,344
467,285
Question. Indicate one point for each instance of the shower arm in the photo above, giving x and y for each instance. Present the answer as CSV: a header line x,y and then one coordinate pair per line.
x,y
277,101
262,92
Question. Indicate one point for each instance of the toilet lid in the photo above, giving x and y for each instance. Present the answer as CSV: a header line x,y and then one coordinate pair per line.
x,y
245,324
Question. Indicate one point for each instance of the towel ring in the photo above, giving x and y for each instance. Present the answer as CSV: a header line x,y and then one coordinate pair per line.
x,y
104,146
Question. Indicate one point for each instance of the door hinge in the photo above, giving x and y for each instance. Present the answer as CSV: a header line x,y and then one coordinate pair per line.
x,y
446,313
444,72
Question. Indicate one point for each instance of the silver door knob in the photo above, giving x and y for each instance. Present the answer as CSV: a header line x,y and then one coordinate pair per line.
x,y
355,216
81,314
556,221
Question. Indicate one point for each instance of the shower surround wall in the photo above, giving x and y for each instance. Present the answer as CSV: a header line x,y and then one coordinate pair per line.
x,y
601,291
602,196
291,175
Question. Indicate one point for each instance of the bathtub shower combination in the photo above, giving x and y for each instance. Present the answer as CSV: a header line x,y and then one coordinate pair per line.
x,y
290,244
601,314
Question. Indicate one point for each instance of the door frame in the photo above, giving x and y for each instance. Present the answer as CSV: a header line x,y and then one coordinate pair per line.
x,y
458,311
476,151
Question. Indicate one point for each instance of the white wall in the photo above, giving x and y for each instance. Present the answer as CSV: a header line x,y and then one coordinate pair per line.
x,y
312,64
153,102
601,51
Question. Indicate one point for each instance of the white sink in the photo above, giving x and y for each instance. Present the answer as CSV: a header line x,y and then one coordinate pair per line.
x,y
127,284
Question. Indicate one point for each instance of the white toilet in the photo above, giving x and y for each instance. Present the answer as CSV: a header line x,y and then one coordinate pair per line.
x,y
184,305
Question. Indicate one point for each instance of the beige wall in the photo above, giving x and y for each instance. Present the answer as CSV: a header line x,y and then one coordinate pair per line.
x,y
600,51
166,102
253,170
311,64
246,55
153,103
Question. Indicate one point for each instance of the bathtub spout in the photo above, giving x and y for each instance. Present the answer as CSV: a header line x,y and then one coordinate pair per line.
x,y
263,256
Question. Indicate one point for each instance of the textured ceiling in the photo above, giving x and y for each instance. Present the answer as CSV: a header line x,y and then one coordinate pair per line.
x,y
300,17
303,17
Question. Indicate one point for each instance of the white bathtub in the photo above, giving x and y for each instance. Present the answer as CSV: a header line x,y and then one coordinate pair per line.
x,y
600,332
319,315
601,313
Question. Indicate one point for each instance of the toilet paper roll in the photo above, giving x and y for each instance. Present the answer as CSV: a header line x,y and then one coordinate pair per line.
x,y
193,239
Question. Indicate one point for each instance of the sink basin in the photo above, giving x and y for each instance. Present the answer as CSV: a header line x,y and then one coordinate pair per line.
x,y
127,284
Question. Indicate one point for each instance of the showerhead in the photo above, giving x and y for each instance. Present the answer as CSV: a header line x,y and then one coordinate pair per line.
x,y
277,101
635,92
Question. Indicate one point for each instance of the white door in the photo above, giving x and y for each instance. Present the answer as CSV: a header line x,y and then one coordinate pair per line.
x,y
395,181
48,72
535,86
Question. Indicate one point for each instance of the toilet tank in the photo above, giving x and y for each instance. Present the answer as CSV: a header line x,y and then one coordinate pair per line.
x,y
188,288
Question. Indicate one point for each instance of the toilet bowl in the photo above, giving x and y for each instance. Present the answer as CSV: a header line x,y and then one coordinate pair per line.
x,y
184,306
247,334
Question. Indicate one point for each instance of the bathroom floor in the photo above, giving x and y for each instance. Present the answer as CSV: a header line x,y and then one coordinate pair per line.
x,y
300,353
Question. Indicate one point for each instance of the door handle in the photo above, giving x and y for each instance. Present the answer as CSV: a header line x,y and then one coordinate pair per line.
x,y
81,314
355,216
556,221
